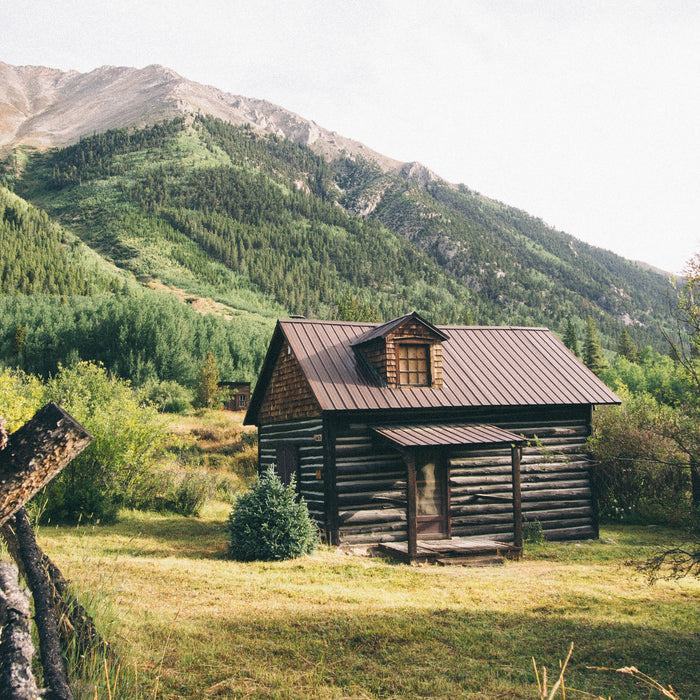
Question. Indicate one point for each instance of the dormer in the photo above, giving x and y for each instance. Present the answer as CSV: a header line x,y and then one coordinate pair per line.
x,y
405,352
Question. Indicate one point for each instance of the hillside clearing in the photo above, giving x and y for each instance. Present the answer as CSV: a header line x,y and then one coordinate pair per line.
x,y
191,624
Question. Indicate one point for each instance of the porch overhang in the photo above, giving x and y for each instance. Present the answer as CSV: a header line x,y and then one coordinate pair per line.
x,y
448,434
410,438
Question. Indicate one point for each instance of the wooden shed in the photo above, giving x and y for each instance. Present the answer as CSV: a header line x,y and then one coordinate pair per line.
x,y
236,395
422,435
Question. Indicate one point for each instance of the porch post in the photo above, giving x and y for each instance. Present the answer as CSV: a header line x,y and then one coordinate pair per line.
x,y
412,504
517,501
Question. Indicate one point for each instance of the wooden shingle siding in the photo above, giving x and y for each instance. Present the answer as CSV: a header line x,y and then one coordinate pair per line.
x,y
301,435
289,395
413,331
371,488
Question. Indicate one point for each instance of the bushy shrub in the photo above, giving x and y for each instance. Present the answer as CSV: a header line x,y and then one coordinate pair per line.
x,y
168,396
638,474
109,472
20,397
172,491
268,523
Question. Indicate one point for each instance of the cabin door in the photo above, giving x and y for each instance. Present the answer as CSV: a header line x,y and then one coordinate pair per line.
x,y
432,498
287,464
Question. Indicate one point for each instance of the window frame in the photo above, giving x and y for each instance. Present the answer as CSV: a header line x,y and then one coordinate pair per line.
x,y
415,344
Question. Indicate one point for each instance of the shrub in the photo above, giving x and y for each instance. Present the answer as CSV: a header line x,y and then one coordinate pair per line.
x,y
638,475
268,523
128,435
20,397
172,491
168,396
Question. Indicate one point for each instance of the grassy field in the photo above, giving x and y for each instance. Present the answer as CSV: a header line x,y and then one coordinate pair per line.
x,y
188,623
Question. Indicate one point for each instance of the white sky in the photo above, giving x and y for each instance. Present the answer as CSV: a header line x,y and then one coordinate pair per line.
x,y
584,113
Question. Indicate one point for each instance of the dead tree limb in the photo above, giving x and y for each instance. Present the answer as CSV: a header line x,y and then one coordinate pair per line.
x,y
36,453
30,556
17,681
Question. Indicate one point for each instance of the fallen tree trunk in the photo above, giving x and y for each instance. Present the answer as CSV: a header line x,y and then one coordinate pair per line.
x,y
17,681
36,453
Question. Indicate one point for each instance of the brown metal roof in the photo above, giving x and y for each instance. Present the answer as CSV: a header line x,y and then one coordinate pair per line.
x,y
482,366
447,434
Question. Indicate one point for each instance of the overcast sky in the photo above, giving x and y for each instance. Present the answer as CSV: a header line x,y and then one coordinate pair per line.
x,y
584,113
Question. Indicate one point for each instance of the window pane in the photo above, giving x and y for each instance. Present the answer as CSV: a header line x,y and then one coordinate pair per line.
x,y
414,367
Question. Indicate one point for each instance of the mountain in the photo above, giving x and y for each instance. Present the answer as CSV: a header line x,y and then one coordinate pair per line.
x,y
209,195
45,107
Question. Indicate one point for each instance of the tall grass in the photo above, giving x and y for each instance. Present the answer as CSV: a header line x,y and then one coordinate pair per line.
x,y
194,625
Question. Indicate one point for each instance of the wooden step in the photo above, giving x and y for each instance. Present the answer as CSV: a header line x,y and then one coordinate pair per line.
x,y
471,561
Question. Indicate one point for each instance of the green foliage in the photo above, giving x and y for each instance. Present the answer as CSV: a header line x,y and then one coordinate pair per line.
x,y
207,392
38,256
142,336
20,397
653,373
626,348
570,337
351,308
532,532
268,523
640,473
128,434
592,350
255,220
172,491
168,396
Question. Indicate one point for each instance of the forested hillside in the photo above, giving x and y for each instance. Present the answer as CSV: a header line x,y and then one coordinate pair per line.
x,y
267,228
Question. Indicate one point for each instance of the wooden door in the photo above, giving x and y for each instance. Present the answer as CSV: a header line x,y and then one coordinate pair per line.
x,y
287,464
432,496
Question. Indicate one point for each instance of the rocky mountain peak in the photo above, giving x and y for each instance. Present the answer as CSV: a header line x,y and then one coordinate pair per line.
x,y
45,107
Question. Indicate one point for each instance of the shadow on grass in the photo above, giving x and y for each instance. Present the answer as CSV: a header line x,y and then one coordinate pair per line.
x,y
434,653
152,535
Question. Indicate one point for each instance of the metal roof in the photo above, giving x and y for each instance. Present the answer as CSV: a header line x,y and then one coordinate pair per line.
x,y
447,434
483,366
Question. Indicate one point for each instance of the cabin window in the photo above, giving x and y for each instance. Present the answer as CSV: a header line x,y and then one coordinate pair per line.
x,y
414,364
242,400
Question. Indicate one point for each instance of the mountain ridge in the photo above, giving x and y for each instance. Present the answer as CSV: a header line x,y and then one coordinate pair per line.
x,y
219,193
46,107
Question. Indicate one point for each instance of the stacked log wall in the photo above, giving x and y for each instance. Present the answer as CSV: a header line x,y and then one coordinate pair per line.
x,y
555,474
555,481
371,488
303,434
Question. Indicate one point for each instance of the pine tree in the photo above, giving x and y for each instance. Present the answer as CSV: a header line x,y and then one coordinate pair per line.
x,y
207,387
626,348
592,350
570,337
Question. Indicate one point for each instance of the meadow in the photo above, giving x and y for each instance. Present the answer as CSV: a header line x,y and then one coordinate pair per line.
x,y
189,623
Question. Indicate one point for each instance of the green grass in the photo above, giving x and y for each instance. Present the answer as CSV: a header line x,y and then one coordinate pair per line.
x,y
191,624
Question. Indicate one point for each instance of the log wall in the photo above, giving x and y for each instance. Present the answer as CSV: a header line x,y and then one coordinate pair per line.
x,y
371,488
310,449
371,481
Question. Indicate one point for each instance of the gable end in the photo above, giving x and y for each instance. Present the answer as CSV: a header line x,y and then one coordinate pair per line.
x,y
288,395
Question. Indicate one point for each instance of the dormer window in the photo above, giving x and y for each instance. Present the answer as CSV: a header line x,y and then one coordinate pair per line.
x,y
413,360
405,352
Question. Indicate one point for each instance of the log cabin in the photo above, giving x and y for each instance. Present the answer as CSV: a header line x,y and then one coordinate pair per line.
x,y
423,435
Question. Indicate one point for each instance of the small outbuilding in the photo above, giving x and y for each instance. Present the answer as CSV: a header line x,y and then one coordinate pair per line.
x,y
236,395
411,433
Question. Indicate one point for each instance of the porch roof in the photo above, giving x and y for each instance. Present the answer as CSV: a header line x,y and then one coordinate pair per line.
x,y
437,434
